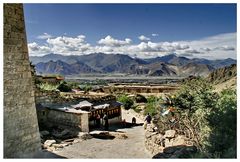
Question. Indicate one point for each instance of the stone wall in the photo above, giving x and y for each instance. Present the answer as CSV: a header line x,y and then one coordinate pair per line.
x,y
75,120
21,134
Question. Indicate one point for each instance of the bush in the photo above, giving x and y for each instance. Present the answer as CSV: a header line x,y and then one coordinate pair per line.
x,y
208,117
64,87
126,101
152,105
223,123
47,86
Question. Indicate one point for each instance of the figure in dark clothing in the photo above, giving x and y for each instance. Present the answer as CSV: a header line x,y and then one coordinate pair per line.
x,y
148,118
133,121
105,118
98,120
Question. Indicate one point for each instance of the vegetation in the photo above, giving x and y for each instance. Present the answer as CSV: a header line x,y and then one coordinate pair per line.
x,y
64,87
152,105
126,101
47,86
208,118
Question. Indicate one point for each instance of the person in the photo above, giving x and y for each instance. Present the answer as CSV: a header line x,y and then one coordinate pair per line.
x,y
124,123
133,121
148,118
105,118
98,120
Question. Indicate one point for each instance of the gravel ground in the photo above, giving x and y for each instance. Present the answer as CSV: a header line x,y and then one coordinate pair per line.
x,y
131,147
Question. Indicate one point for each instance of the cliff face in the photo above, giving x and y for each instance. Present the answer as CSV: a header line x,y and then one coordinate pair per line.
x,y
21,133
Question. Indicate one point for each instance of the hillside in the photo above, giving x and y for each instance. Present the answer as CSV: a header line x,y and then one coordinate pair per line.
x,y
224,77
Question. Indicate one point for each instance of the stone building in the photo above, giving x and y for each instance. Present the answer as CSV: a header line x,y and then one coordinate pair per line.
x,y
80,116
21,133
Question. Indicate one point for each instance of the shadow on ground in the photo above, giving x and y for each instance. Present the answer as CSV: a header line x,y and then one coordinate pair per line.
x,y
115,127
175,152
44,154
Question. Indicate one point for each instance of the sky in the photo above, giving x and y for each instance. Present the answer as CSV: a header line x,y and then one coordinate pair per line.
x,y
138,30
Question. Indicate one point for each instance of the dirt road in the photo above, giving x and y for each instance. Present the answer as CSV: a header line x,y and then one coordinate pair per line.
x,y
131,147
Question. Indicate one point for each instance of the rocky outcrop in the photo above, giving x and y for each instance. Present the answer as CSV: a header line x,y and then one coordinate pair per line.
x,y
167,145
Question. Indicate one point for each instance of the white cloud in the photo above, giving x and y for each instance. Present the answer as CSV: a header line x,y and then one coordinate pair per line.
x,y
154,35
69,45
110,41
215,47
44,36
143,38
36,49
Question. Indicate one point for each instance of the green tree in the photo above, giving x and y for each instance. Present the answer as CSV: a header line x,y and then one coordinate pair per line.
x,y
126,101
64,87
194,102
223,123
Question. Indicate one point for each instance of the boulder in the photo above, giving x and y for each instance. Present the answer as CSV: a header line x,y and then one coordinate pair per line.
x,y
84,135
170,133
57,145
179,140
48,143
65,134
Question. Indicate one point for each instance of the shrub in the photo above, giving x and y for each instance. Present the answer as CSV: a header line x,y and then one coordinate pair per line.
x,y
208,117
64,87
223,123
47,86
126,101
152,105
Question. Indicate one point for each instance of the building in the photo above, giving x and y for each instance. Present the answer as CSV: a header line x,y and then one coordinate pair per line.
x,y
81,116
50,79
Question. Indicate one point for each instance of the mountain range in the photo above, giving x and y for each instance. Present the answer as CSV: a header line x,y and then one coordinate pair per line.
x,y
169,65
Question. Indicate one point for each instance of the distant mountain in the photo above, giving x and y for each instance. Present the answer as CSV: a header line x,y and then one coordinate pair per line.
x,y
196,69
170,59
60,67
215,63
169,65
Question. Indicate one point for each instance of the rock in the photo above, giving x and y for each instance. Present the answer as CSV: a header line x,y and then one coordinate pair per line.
x,y
168,143
170,133
84,135
158,139
44,133
65,134
48,143
179,140
57,145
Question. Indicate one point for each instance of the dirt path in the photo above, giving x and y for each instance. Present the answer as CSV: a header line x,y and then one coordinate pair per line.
x,y
131,147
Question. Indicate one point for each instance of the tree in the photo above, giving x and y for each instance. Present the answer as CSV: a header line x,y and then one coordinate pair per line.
x,y
223,123
64,87
126,101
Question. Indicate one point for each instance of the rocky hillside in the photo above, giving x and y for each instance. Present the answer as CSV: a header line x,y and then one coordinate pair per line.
x,y
223,74
224,77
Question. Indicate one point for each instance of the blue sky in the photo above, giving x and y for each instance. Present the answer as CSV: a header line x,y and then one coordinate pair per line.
x,y
142,30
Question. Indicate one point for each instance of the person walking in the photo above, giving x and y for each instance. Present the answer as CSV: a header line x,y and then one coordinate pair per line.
x,y
147,120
